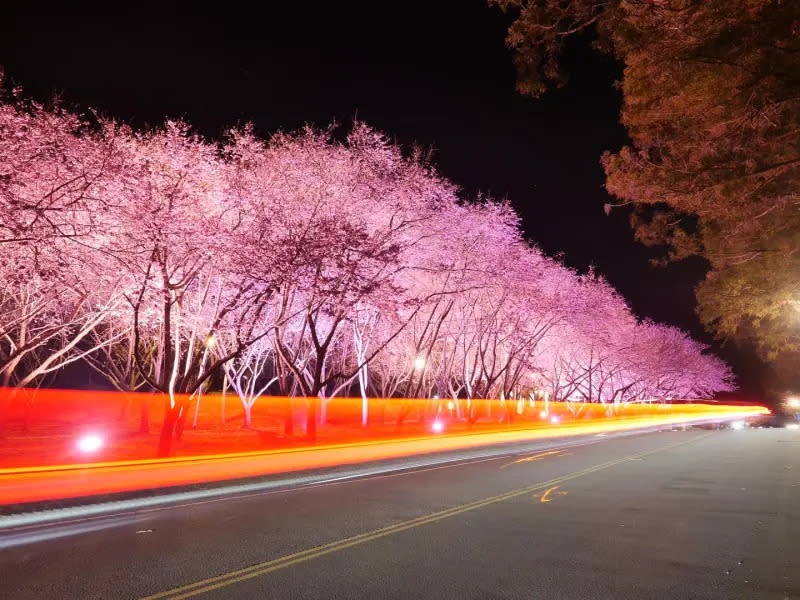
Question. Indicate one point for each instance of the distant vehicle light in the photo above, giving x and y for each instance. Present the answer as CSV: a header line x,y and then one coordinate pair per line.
x,y
555,420
451,405
794,426
793,402
737,425
90,443
543,415
438,427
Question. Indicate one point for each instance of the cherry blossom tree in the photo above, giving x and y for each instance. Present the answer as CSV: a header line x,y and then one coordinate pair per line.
x,y
56,291
307,262
342,220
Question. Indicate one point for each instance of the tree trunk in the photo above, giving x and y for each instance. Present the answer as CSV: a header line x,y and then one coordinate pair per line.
x,y
224,392
144,415
364,410
7,396
124,408
289,424
167,431
405,408
197,407
323,411
181,424
311,418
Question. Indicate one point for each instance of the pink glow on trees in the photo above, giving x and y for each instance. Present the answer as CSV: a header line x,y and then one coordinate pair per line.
x,y
182,239
322,267
341,221
247,374
56,289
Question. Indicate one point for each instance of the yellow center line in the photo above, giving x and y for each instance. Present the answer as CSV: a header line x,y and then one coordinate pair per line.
x,y
535,457
263,568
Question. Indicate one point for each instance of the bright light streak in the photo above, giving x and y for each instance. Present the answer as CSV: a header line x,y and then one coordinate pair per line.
x,y
47,482
419,363
344,442
794,426
555,420
90,443
737,425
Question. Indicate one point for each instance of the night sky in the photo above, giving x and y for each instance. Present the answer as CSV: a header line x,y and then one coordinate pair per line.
x,y
436,74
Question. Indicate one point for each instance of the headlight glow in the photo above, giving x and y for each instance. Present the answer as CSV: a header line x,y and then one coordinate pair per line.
x,y
90,443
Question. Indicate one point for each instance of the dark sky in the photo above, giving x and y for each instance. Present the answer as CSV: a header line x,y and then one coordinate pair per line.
x,y
433,73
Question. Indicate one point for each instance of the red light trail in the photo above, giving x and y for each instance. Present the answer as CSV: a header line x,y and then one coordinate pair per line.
x,y
343,445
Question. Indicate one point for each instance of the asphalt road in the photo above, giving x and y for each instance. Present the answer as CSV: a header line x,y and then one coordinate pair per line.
x,y
690,514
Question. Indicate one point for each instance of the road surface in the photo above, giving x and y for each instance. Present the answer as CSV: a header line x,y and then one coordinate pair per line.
x,y
677,514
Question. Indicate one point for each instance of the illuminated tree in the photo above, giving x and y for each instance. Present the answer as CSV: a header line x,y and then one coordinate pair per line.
x,y
56,291
317,266
340,221
181,240
248,375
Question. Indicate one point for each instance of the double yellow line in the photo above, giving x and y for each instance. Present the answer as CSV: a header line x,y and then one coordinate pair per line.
x,y
226,579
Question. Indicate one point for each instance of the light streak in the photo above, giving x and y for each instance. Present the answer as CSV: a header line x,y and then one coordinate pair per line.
x,y
346,443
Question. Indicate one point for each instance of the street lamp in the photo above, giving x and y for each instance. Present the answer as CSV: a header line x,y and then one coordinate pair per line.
x,y
419,363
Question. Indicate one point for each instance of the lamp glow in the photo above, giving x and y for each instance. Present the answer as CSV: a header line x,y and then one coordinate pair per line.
x,y
438,426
